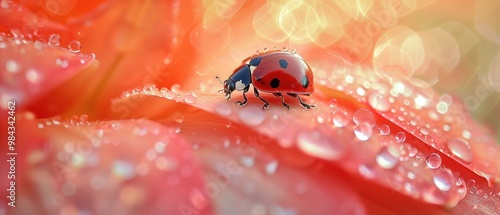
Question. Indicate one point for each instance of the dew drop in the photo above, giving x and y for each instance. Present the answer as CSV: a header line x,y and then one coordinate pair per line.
x,y
123,169
466,134
460,148
265,49
340,120
54,40
400,137
433,161
333,103
461,188
74,46
160,147
33,76
421,101
363,131
316,144
378,102
223,109
366,171
424,131
84,119
12,66
285,49
252,116
247,161
169,95
442,107
388,157
364,116
177,130
384,129
271,167
228,124
360,91
443,179
190,98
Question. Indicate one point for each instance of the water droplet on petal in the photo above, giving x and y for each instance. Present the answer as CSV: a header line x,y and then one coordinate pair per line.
x,y
223,109
460,148
12,66
228,124
433,161
190,98
364,116
366,171
400,137
247,161
384,129
421,101
74,46
363,131
177,130
461,188
271,167
333,103
316,144
443,179
340,120
388,157
54,40
252,115
123,169
378,102
84,119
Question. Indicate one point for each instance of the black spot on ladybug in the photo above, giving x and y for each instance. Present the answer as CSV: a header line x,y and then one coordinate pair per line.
x,y
255,61
283,63
275,83
304,81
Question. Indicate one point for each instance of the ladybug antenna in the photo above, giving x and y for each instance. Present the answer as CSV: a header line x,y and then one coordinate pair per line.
x,y
219,80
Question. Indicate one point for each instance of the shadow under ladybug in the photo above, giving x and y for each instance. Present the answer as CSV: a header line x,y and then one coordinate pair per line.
x,y
277,72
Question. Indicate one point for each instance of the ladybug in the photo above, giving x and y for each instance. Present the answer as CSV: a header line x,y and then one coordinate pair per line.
x,y
278,72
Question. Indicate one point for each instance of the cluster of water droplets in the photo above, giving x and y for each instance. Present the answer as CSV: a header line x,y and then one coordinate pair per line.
x,y
58,121
403,104
74,46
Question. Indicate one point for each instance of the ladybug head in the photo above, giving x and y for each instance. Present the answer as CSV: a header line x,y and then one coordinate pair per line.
x,y
229,87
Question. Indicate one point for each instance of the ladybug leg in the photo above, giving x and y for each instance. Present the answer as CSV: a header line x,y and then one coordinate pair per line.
x,y
282,100
305,105
266,104
245,100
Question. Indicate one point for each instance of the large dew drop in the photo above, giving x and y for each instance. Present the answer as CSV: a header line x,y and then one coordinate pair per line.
x,y
364,116
252,115
384,130
388,157
443,179
317,145
363,131
54,40
223,109
400,137
74,46
433,161
460,148
340,120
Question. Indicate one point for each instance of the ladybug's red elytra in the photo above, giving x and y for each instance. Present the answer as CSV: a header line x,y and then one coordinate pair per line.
x,y
278,72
